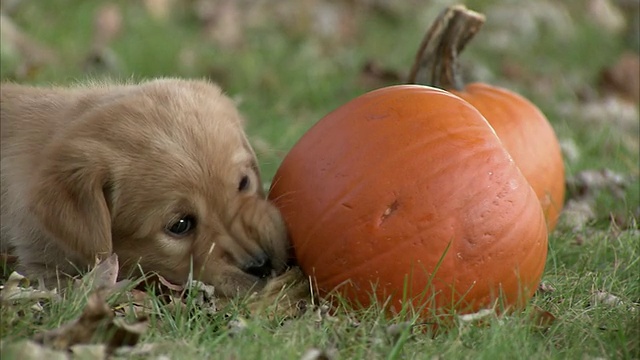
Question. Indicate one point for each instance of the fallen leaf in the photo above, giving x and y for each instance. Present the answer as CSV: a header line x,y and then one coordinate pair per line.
x,y
545,287
29,350
590,181
623,77
89,351
577,213
17,288
103,275
541,318
169,285
207,290
479,315
127,334
394,331
619,115
96,324
136,351
605,298
134,302
15,280
322,314
317,354
237,326
96,314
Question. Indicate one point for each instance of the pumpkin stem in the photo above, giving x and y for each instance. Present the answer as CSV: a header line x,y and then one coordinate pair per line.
x,y
436,62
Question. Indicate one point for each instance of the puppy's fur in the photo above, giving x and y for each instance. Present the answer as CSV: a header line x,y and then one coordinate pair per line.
x,y
160,173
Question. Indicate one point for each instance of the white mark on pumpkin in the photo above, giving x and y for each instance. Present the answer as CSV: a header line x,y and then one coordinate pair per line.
x,y
388,211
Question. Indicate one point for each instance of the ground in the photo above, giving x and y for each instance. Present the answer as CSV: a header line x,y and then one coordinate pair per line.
x,y
288,64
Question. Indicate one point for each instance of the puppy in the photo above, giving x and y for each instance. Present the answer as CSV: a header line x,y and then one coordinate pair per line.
x,y
160,173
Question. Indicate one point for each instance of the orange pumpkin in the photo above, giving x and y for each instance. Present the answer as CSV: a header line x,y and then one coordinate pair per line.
x,y
524,130
408,190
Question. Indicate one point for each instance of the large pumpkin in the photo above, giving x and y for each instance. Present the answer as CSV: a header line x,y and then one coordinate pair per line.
x,y
523,129
407,189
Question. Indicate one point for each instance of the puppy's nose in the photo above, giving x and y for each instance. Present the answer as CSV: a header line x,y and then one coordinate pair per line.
x,y
260,266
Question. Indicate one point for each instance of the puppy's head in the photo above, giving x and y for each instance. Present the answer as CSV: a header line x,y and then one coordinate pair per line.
x,y
163,175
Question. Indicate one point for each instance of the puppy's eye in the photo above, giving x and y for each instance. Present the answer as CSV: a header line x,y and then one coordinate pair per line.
x,y
244,183
182,226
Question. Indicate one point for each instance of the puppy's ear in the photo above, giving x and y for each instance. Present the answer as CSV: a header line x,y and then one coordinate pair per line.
x,y
69,199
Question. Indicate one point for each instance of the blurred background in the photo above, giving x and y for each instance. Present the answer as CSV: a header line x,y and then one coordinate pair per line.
x,y
289,62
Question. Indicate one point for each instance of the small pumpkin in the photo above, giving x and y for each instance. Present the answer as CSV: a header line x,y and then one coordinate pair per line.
x,y
406,196
524,130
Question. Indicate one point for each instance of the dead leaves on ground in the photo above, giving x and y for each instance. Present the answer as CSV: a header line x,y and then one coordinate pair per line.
x,y
116,314
96,324
18,288
585,187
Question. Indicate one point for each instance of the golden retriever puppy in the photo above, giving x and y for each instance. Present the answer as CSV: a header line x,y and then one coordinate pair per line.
x,y
160,173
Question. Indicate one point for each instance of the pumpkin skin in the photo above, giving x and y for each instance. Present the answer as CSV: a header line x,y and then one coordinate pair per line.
x,y
527,135
399,180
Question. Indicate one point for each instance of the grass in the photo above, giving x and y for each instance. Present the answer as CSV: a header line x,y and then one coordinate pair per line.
x,y
287,77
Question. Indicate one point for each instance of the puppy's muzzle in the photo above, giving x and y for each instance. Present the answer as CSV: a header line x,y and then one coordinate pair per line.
x,y
260,267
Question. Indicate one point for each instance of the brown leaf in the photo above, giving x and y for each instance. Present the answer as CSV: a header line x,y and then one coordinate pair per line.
x,y
89,352
17,288
545,287
103,277
541,318
127,334
395,331
95,315
237,326
169,285
577,213
96,324
477,316
134,301
29,350
317,354
142,350
605,298
623,78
